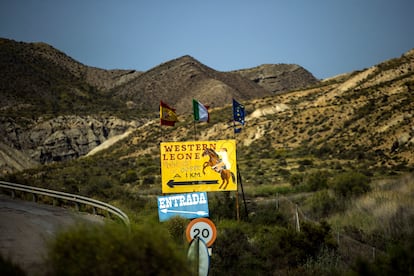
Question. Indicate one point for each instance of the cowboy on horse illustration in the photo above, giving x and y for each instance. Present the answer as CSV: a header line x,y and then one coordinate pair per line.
x,y
224,163
219,162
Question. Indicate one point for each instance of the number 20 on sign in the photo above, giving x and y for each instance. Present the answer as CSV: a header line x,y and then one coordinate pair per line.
x,y
202,228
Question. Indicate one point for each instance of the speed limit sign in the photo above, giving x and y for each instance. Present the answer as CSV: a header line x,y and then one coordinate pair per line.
x,y
202,228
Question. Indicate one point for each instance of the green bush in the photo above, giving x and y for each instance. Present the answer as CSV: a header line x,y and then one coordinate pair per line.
x,y
278,249
328,262
305,162
222,205
296,179
98,185
233,254
130,176
176,227
268,214
149,179
298,247
350,184
113,249
149,170
267,246
316,181
398,261
313,181
322,204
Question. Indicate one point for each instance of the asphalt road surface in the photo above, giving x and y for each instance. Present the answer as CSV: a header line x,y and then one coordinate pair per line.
x,y
26,227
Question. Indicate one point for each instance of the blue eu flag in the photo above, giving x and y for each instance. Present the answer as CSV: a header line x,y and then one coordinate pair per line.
x,y
238,115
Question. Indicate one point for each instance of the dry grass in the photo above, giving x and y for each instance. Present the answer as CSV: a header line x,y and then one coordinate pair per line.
x,y
379,209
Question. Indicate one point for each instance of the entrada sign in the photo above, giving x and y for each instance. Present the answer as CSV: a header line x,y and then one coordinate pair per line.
x,y
198,166
191,205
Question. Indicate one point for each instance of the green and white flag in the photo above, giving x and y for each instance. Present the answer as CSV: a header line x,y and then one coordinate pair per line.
x,y
200,112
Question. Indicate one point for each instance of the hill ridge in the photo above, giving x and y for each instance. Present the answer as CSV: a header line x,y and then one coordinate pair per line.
x,y
179,80
361,114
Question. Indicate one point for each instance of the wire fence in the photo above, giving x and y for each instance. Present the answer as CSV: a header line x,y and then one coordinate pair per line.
x,y
349,248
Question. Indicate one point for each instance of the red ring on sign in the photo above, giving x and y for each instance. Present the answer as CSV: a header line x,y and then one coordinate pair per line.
x,y
207,221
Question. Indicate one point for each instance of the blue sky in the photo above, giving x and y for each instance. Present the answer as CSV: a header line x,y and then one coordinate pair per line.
x,y
326,37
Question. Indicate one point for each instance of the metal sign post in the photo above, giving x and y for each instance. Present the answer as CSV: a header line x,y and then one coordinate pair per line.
x,y
198,257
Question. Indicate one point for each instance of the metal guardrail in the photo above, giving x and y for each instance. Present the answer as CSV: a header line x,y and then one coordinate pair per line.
x,y
66,196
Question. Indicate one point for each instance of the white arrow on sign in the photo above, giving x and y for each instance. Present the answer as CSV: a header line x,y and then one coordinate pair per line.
x,y
198,213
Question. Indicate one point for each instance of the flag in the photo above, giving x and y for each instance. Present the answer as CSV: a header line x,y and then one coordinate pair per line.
x,y
238,115
200,112
167,115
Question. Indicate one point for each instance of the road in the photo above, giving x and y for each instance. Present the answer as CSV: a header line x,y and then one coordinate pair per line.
x,y
26,227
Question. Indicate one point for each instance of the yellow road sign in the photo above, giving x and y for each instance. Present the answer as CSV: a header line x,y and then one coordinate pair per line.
x,y
198,166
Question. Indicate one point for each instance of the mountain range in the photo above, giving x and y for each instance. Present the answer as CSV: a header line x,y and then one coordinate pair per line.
x,y
54,108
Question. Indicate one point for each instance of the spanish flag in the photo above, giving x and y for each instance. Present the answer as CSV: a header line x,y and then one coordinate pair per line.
x,y
167,115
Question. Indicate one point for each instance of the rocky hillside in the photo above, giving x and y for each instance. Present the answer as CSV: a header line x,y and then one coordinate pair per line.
x,y
357,122
39,80
57,139
178,81
55,108
365,116
279,78
363,119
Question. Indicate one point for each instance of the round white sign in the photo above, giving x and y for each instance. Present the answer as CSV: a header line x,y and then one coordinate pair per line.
x,y
202,228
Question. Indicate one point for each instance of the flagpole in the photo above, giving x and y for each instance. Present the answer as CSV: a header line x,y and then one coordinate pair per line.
x,y
161,116
237,188
238,115
195,106
239,179
234,129
237,204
